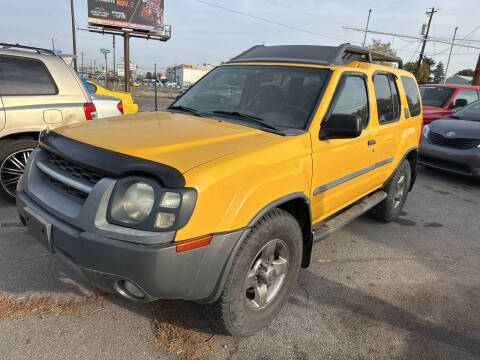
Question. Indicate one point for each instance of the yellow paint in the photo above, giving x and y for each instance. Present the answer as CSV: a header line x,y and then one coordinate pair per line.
x,y
237,170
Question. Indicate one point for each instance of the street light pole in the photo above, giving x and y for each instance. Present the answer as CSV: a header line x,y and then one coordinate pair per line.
x,y
106,71
155,85
366,29
74,37
450,55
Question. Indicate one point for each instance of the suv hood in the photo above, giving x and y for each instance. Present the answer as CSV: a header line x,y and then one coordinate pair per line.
x,y
178,140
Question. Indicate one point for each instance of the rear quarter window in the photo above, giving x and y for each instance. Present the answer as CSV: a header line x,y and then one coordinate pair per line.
x,y
24,76
413,97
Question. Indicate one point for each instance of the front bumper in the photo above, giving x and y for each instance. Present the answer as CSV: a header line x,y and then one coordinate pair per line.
x,y
158,270
464,162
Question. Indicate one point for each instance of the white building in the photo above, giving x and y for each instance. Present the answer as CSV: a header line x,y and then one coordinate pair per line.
x,y
185,74
121,70
459,80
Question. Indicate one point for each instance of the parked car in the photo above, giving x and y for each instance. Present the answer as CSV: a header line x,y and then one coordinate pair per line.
x,y
107,106
37,90
129,106
219,198
440,100
453,143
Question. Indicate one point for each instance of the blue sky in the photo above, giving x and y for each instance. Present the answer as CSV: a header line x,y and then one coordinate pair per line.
x,y
205,33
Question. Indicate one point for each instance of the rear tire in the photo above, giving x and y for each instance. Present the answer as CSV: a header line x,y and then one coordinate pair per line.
x,y
13,157
397,192
262,276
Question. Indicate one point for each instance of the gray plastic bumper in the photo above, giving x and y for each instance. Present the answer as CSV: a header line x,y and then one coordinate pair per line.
x,y
158,270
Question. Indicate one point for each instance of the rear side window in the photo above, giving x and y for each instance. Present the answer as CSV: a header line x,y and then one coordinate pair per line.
x,y
23,76
91,88
388,101
413,98
353,99
470,95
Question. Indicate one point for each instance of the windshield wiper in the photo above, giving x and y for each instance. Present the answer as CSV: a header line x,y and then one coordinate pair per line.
x,y
185,108
251,118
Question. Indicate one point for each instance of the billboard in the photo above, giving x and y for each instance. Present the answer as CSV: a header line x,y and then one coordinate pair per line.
x,y
131,14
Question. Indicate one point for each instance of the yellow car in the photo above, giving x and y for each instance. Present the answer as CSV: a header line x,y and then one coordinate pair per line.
x,y
129,107
219,198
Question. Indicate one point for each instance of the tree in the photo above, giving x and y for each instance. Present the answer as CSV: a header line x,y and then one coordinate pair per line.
x,y
438,73
385,47
149,75
423,76
465,72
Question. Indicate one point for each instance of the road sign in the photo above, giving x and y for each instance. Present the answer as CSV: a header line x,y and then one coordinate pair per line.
x,y
104,51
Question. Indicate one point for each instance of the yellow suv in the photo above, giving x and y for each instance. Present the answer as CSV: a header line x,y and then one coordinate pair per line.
x,y
219,198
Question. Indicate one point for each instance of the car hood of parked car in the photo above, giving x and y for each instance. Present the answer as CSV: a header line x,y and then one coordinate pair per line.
x,y
467,129
178,140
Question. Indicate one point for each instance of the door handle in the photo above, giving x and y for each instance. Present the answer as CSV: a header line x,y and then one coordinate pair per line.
x,y
371,142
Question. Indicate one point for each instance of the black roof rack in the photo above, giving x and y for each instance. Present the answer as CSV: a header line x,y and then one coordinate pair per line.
x,y
18,46
322,55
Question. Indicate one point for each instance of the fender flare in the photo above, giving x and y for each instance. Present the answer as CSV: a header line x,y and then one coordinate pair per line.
x,y
413,168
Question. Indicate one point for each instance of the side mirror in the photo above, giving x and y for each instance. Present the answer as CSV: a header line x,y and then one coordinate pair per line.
x,y
459,103
341,126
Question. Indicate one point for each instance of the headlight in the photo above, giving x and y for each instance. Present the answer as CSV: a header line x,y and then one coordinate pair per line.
x,y
141,203
138,201
426,130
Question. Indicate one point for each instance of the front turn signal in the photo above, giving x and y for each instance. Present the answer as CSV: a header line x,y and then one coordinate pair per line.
x,y
194,243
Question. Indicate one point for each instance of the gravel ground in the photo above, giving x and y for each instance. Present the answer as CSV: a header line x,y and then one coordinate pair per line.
x,y
405,290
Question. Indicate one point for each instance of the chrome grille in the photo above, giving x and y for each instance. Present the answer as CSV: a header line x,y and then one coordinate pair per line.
x,y
455,143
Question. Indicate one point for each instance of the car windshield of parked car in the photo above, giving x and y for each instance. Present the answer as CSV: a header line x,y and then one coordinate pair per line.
x,y
436,95
469,112
277,96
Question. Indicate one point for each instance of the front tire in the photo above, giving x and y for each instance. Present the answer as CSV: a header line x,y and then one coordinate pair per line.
x,y
397,192
13,158
263,275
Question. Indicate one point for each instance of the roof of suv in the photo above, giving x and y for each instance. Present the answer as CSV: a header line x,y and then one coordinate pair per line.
x,y
321,55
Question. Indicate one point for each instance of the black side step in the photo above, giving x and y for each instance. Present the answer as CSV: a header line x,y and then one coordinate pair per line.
x,y
325,228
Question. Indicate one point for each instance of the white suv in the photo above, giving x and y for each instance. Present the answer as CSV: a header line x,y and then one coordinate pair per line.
x,y
38,90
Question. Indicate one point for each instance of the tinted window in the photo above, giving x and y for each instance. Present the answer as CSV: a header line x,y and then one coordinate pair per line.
x,y
22,76
470,95
387,107
353,99
436,95
413,99
395,98
283,96
469,112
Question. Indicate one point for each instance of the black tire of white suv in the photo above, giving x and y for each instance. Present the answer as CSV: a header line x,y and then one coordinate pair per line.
x,y
13,158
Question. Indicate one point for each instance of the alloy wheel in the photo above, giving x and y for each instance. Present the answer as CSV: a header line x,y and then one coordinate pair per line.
x,y
12,169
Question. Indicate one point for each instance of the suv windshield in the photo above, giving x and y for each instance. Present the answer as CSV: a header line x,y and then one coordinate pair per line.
x,y
278,96
436,95
469,112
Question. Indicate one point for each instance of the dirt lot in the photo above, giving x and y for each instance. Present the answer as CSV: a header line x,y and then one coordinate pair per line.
x,y
406,290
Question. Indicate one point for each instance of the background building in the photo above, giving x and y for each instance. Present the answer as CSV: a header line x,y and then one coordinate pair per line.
x,y
459,80
187,74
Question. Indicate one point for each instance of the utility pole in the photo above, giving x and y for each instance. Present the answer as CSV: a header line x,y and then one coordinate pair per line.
x,y
53,44
366,28
449,55
476,74
126,59
74,37
106,72
114,68
420,58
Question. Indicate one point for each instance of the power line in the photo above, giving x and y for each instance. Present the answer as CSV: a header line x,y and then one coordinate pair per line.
x,y
269,21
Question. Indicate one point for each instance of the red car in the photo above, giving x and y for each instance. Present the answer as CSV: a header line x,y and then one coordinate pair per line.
x,y
441,100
